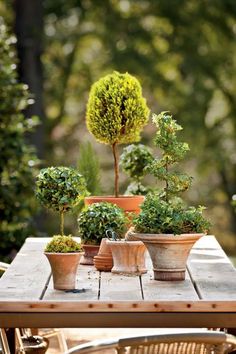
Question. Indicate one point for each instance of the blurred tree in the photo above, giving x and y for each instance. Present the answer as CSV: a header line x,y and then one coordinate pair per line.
x,y
17,160
29,33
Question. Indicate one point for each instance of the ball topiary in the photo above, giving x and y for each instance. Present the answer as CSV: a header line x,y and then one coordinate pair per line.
x,y
116,113
97,218
60,189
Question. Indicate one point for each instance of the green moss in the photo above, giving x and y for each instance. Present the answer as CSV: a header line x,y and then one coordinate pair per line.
x,y
63,244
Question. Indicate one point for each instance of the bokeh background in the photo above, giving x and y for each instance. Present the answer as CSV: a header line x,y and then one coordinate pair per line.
x,y
184,54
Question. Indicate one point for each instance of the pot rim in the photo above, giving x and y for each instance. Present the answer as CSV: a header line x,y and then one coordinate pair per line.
x,y
63,253
142,197
167,237
123,242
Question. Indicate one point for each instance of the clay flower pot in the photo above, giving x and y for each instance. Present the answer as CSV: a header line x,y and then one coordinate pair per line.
x,y
129,203
90,251
128,257
104,261
169,253
64,268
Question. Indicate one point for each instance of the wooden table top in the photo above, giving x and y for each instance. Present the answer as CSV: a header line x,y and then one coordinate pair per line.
x,y
207,298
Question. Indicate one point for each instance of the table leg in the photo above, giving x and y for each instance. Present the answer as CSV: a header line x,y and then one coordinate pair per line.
x,y
10,333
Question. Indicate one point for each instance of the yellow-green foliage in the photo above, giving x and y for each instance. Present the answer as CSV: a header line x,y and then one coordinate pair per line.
x,y
63,244
116,110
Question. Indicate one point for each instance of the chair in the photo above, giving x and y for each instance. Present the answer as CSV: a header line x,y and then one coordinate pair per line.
x,y
204,342
23,333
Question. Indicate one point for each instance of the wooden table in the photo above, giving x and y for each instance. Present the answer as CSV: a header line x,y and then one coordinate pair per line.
x,y
207,298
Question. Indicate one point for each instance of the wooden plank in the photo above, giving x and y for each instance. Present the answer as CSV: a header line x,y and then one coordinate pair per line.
x,y
87,283
211,271
115,287
28,274
168,290
118,306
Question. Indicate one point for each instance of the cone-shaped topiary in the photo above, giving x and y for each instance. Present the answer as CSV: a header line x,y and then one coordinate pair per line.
x,y
60,189
116,113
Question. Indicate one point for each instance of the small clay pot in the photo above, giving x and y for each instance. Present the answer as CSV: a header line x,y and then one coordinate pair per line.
x,y
104,261
128,257
90,251
64,268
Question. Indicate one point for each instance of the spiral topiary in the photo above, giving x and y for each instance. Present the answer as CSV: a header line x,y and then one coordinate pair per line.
x,y
116,113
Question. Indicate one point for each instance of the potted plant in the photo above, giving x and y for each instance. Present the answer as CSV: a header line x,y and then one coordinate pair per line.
x,y
93,223
116,114
166,226
133,161
61,189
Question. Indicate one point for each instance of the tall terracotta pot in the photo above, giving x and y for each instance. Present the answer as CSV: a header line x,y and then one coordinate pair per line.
x,y
129,203
128,257
64,268
169,253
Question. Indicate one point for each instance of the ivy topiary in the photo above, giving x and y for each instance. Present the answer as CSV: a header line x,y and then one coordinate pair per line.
x,y
63,244
116,113
60,189
133,161
97,218
164,212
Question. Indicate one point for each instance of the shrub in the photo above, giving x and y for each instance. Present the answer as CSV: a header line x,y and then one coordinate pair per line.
x,y
165,212
60,189
97,218
18,160
116,113
133,160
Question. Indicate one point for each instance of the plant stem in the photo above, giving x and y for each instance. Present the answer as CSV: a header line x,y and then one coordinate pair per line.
x,y
62,222
116,168
167,184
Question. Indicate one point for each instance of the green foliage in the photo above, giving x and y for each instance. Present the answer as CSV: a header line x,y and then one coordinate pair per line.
x,y
173,151
88,165
160,217
116,110
97,218
164,212
17,159
134,160
63,244
60,188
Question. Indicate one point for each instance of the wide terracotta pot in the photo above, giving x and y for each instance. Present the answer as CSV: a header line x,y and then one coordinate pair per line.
x,y
169,253
129,203
128,257
104,261
64,268
90,251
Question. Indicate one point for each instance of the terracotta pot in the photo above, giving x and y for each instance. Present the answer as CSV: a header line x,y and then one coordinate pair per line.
x,y
169,253
90,251
104,261
128,257
64,268
129,203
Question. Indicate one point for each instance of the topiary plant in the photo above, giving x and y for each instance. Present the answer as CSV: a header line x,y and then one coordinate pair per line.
x,y
133,160
98,218
164,212
60,189
63,244
116,113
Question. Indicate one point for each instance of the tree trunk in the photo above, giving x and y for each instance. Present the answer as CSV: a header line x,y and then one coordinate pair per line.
x,y
29,33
